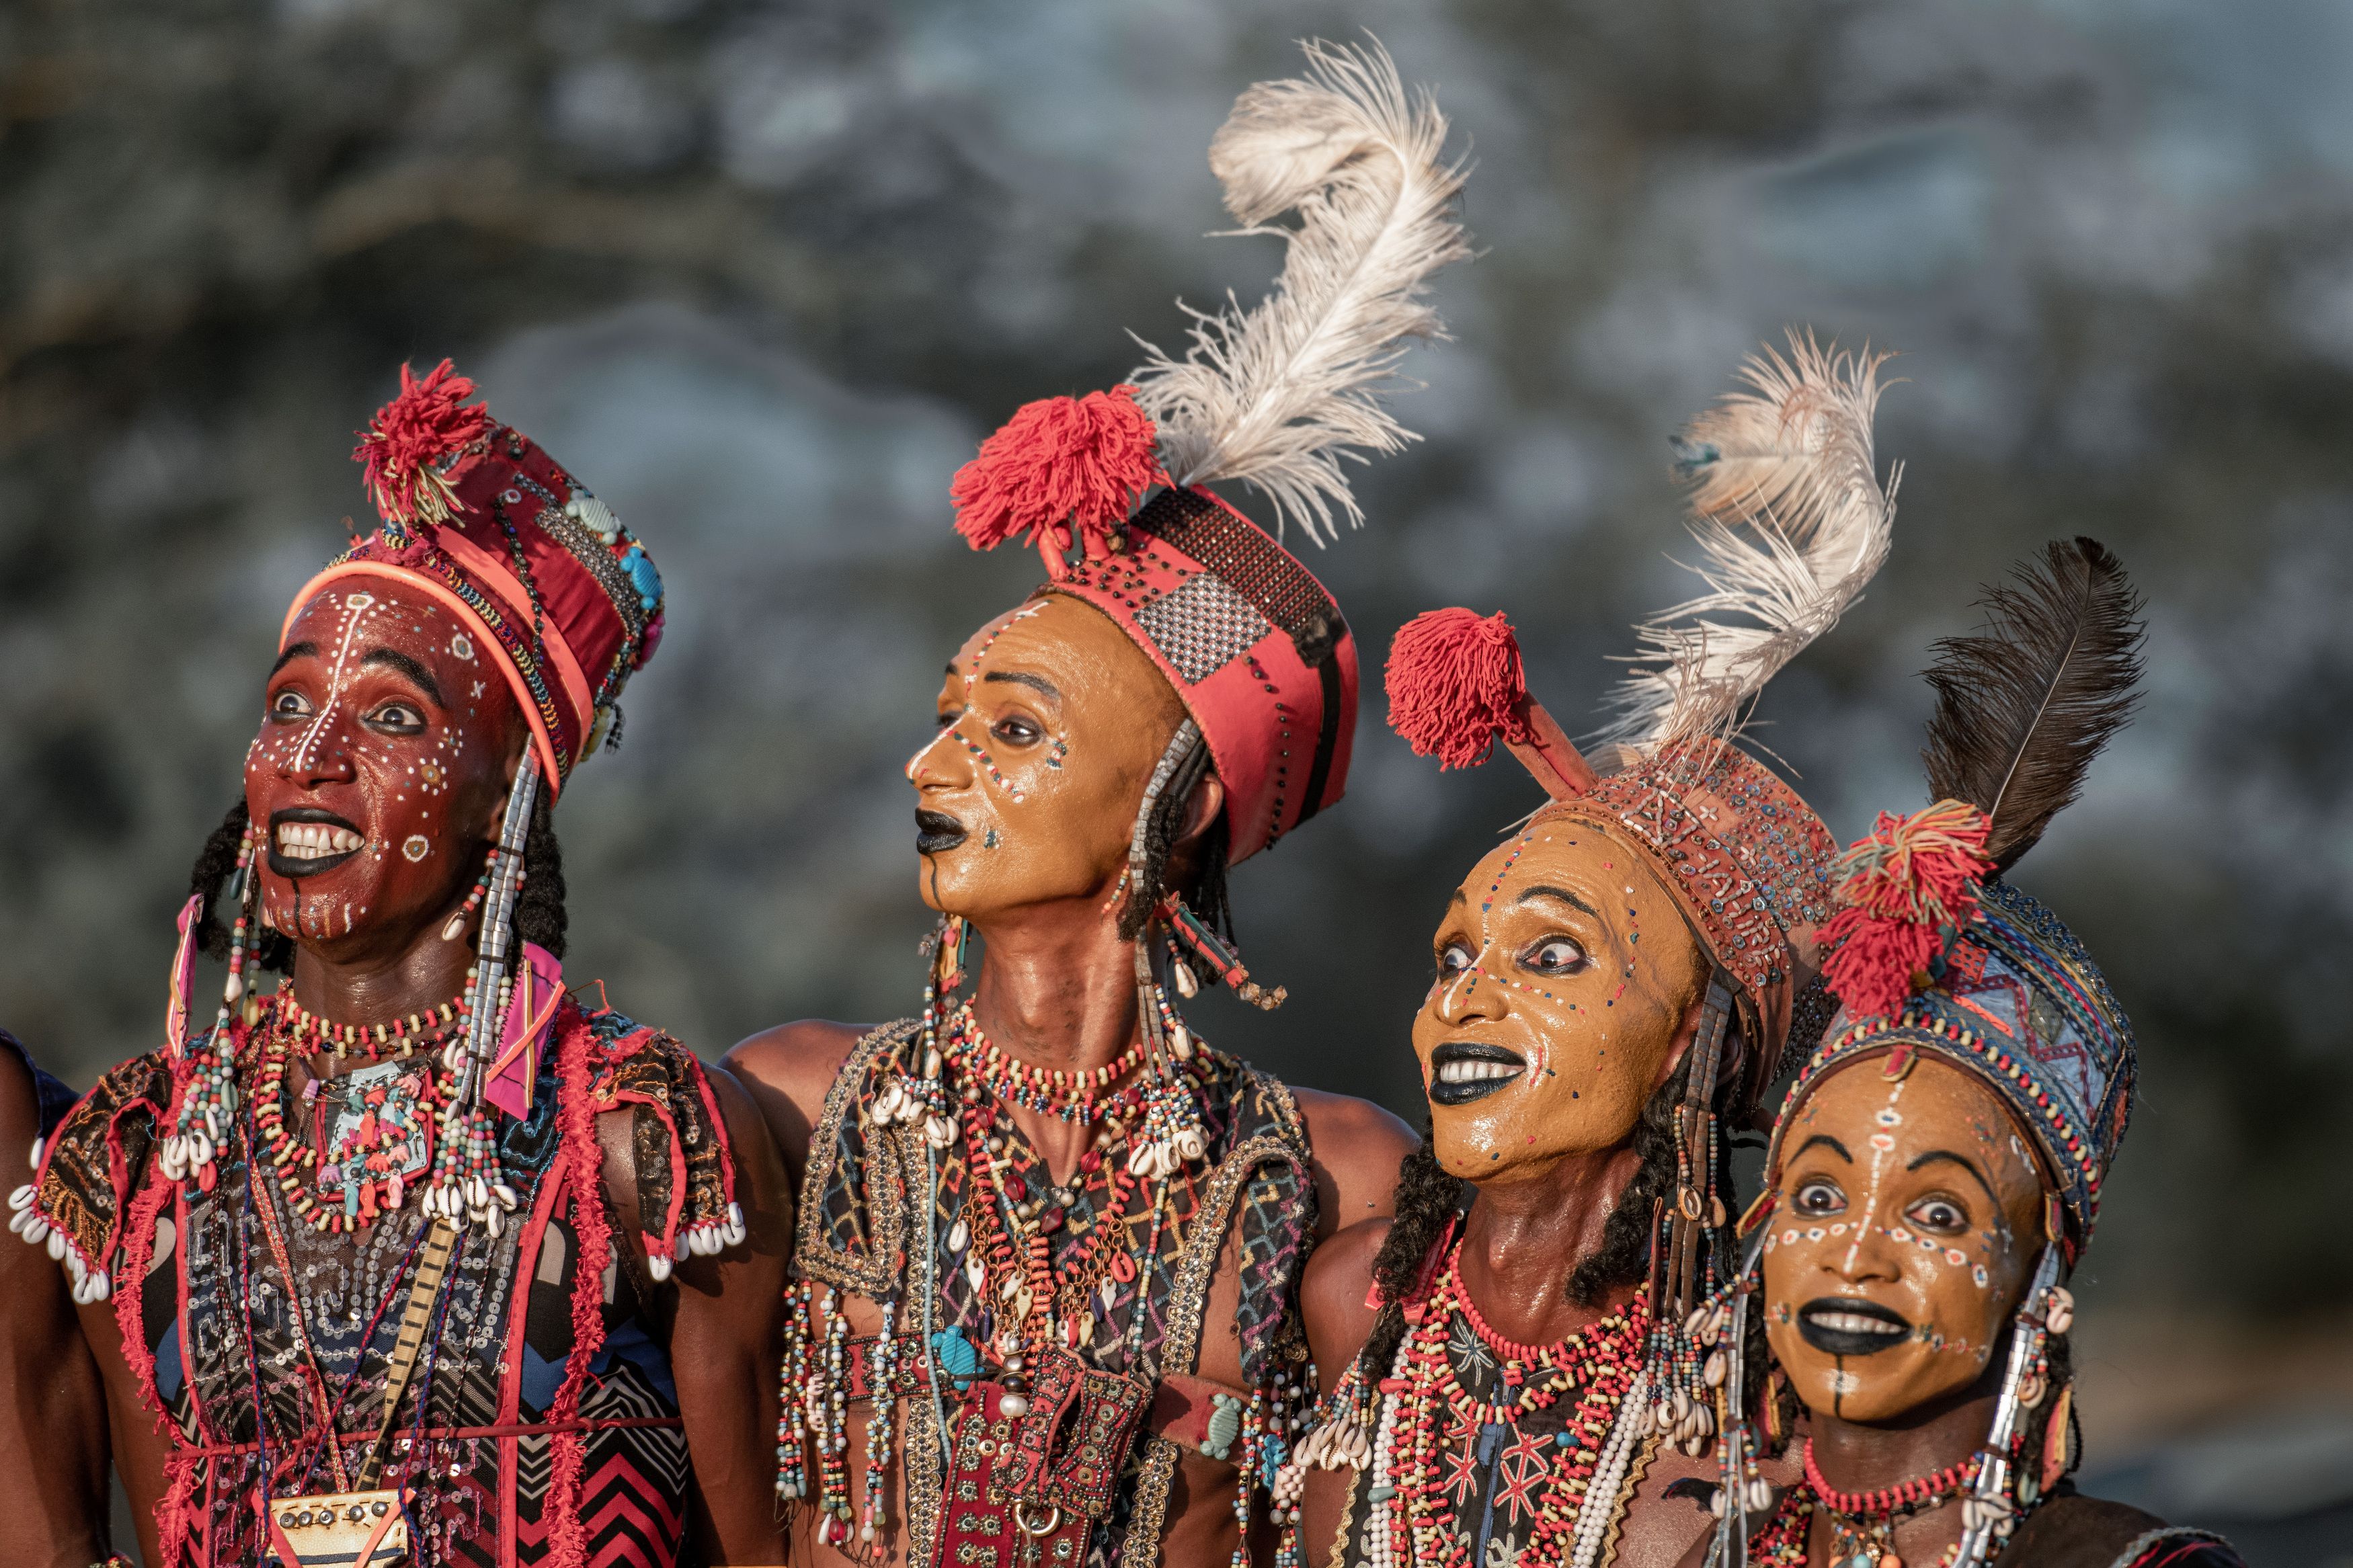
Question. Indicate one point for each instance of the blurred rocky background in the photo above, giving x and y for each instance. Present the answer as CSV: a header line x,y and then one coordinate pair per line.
x,y
763,273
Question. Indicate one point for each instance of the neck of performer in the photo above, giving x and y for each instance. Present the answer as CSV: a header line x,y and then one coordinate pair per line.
x,y
1057,991
1858,1456
372,985
1522,1238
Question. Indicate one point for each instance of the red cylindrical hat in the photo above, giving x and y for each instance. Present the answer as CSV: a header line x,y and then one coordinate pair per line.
x,y
1255,648
482,519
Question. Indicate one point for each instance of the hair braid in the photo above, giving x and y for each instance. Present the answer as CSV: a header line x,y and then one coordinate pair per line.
x,y
216,863
538,913
1428,1199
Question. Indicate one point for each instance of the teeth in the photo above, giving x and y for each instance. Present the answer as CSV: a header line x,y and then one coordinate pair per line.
x,y
1475,1071
1853,1323
314,840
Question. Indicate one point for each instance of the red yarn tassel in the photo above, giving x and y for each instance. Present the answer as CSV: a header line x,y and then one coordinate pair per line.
x,y
1906,888
1455,684
427,422
1063,470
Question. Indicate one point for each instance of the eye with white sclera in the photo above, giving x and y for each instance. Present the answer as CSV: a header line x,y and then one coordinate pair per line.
x,y
1817,1195
1555,956
394,719
1943,1216
1455,959
1017,730
289,706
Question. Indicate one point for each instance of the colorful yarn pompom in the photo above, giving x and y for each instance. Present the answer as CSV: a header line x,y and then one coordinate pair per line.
x,y
1905,890
1060,468
1455,684
409,436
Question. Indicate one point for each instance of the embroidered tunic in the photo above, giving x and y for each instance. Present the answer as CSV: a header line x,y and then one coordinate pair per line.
x,y
864,1225
542,1422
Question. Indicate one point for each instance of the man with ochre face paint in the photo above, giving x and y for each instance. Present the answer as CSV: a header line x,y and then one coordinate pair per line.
x,y
417,1254
1049,1239
1509,1374
1936,1168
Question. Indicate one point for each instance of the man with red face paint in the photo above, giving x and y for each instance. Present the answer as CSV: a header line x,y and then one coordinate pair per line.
x,y
1050,1241
417,1254
1937,1166
1509,1375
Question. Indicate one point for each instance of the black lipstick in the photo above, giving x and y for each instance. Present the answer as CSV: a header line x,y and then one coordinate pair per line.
x,y
936,831
1462,1093
1831,1324
297,866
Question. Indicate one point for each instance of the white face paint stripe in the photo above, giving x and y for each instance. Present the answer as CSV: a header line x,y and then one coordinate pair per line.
x,y
354,611
1882,1153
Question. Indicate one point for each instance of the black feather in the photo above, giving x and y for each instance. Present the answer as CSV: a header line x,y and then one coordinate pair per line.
x,y
2023,706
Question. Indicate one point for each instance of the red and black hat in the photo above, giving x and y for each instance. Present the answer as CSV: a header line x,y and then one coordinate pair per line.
x,y
478,517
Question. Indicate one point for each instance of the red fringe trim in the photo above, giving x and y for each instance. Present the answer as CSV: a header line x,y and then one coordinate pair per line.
x,y
1455,684
567,1534
174,1517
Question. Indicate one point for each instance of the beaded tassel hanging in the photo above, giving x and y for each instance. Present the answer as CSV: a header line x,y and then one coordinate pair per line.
x,y
209,1068
467,1185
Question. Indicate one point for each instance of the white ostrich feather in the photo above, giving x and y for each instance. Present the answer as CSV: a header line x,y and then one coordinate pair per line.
x,y
1791,522
1276,397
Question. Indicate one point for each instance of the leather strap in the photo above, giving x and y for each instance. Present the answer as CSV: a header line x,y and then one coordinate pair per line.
x,y
432,1266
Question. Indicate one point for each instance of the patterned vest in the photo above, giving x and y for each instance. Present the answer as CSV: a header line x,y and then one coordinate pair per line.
x,y
863,1222
542,1422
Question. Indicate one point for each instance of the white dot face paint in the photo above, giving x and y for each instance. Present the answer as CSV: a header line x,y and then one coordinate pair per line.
x,y
1051,722
1908,1222
371,754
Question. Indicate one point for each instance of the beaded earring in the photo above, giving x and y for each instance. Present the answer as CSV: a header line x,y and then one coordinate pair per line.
x,y
467,1184
206,1069
455,926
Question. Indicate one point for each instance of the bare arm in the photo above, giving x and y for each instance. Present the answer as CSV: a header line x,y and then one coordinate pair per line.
x,y
53,1429
725,1338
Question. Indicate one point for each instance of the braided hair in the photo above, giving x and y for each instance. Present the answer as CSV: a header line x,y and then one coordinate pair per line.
x,y
216,864
1207,890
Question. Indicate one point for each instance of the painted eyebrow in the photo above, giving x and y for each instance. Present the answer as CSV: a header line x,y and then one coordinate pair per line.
x,y
1828,1141
1035,682
1964,1163
1545,890
393,659
293,651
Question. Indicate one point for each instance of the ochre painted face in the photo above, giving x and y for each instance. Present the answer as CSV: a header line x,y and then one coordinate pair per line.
x,y
387,740
1052,720
1907,1218
1566,980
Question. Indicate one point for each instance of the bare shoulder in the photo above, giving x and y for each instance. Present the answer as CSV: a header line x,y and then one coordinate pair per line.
x,y
788,1071
1356,1147
1332,1296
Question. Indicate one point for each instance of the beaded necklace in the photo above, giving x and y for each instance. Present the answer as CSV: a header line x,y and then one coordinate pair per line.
x,y
1781,1541
402,1036
1436,1437
1082,1097
380,1138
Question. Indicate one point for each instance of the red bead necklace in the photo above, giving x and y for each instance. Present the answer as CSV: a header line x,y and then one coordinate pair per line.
x,y
1907,1496
1436,1417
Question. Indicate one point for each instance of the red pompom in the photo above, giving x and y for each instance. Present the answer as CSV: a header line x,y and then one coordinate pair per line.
x,y
1905,891
1060,465
429,421
1455,684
